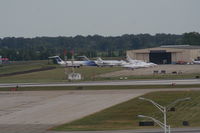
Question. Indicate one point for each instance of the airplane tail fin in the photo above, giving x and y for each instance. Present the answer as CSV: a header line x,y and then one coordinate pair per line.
x,y
99,59
128,58
84,57
57,60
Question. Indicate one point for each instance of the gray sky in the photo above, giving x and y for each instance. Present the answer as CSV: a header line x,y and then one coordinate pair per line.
x,y
30,18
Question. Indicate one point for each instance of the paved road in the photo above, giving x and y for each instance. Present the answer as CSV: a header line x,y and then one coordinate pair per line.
x,y
175,130
99,83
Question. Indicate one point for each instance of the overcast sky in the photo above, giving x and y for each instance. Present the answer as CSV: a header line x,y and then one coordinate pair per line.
x,y
31,18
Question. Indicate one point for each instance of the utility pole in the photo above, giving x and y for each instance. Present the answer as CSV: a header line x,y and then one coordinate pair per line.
x,y
65,57
72,52
162,125
164,110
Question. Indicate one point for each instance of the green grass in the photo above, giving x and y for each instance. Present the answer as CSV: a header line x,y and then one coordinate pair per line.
x,y
88,73
124,115
57,75
142,77
22,66
167,76
110,87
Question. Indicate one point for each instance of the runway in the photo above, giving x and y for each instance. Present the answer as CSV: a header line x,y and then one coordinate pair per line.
x,y
37,111
101,83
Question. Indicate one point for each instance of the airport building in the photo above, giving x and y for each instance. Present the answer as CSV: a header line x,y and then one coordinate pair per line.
x,y
169,54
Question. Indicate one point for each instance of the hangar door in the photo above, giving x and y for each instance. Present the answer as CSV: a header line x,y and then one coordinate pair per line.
x,y
160,57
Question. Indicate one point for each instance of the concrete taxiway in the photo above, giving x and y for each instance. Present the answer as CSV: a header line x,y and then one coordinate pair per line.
x,y
37,111
33,112
99,83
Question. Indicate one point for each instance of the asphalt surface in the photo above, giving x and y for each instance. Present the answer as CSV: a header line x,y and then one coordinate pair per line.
x,y
99,83
37,111
174,130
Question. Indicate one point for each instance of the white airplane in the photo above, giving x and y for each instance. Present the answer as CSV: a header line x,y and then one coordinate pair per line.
x,y
102,63
59,61
134,64
196,61
141,62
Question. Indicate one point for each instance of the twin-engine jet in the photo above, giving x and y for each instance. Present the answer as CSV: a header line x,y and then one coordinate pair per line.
x,y
111,63
134,64
72,63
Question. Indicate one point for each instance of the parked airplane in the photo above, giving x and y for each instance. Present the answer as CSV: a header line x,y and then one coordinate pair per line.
x,y
87,61
140,62
59,61
196,61
133,64
102,63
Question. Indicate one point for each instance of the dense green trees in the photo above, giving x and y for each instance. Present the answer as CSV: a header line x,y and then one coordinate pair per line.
x,y
91,46
192,38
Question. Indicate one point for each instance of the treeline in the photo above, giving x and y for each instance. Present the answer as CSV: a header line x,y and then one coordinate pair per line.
x,y
40,48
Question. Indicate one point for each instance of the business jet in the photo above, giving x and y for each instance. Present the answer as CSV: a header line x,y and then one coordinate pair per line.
x,y
134,64
111,63
149,64
196,61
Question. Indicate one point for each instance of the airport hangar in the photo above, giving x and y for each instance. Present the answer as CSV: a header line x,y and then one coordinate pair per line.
x,y
168,54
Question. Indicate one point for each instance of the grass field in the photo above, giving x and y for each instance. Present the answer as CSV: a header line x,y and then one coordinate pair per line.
x,y
124,115
57,75
88,73
165,76
22,66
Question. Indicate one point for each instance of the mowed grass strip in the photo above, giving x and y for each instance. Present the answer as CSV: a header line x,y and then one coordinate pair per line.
x,y
103,87
58,75
124,115
5,69
162,76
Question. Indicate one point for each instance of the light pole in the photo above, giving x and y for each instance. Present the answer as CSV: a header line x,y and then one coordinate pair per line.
x,y
156,121
163,109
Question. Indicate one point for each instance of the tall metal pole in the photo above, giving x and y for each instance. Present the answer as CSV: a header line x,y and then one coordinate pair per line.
x,y
165,119
65,58
65,66
72,51
163,109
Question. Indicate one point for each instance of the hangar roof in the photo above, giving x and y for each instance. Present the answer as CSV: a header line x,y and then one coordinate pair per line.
x,y
167,48
181,46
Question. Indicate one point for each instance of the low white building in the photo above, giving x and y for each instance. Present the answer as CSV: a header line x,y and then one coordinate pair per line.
x,y
74,76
